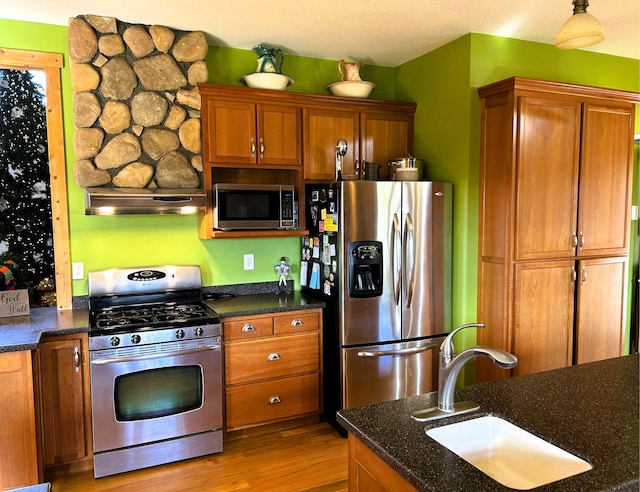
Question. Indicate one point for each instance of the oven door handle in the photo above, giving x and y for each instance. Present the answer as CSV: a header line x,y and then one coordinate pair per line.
x,y
134,358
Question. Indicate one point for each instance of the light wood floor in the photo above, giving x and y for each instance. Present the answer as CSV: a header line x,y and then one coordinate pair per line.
x,y
311,458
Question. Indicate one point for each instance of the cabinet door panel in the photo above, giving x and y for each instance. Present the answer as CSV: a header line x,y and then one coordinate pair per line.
x,y
543,316
18,453
62,401
279,135
600,309
606,169
232,132
384,137
322,130
547,178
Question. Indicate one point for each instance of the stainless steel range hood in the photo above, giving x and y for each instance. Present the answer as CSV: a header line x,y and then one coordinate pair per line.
x,y
127,201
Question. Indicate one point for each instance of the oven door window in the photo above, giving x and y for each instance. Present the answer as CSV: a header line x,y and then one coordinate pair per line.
x,y
159,392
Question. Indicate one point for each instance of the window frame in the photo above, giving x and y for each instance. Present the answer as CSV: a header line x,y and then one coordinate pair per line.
x,y
51,64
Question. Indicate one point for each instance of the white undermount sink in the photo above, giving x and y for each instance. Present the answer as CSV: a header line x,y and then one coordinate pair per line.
x,y
508,454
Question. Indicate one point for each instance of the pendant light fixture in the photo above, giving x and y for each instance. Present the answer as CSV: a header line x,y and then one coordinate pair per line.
x,y
580,30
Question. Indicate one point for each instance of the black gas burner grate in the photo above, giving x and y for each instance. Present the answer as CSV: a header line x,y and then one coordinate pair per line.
x,y
160,315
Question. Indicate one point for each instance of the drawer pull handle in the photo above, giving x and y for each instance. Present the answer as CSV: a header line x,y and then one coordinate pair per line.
x,y
274,399
274,356
248,328
297,322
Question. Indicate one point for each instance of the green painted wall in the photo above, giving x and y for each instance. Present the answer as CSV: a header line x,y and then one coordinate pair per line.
x,y
443,83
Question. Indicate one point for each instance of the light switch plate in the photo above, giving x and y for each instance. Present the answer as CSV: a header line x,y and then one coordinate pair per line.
x,y
248,262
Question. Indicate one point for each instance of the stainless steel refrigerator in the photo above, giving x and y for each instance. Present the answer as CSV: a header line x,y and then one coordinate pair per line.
x,y
379,253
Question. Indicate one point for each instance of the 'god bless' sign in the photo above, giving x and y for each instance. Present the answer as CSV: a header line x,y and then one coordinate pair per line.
x,y
14,303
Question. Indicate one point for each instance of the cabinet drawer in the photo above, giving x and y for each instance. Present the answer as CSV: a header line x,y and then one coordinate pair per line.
x,y
278,399
271,358
293,323
248,328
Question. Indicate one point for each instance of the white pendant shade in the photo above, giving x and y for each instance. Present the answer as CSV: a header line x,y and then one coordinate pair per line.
x,y
581,30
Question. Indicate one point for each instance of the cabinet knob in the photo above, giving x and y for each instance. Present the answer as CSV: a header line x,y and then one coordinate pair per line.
x,y
297,322
274,356
274,399
76,358
248,328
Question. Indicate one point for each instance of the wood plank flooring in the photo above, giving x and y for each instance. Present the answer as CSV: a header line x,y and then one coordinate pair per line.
x,y
312,458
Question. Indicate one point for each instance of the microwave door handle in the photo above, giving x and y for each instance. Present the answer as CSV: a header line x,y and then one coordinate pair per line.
x,y
134,358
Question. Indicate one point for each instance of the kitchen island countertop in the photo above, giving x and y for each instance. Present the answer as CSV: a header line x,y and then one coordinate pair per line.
x,y
590,410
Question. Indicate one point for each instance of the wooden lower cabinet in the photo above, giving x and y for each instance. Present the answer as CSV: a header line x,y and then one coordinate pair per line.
x,y
551,296
64,383
369,473
18,449
272,368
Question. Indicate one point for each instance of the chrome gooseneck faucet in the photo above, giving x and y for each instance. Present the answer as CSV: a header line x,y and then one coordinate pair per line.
x,y
450,366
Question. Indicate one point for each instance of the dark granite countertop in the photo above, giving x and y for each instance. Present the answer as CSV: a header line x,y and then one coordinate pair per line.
x,y
24,332
246,305
590,410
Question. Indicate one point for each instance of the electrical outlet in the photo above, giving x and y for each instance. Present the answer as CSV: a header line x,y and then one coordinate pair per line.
x,y
248,262
78,271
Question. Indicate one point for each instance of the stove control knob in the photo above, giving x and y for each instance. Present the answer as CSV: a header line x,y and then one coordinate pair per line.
x,y
135,339
114,341
179,334
198,331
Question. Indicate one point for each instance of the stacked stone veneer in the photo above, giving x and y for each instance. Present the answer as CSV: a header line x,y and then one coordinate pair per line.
x,y
136,104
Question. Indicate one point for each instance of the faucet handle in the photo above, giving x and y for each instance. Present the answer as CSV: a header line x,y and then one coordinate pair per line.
x,y
447,349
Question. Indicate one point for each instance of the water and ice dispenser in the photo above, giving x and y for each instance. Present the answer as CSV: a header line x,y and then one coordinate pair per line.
x,y
365,269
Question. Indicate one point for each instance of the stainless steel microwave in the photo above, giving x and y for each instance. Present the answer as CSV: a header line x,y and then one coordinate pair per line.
x,y
253,206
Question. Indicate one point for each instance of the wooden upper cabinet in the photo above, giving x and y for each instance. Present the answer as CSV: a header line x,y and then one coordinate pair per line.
x,y
574,178
252,134
385,137
377,137
547,177
322,130
279,135
606,172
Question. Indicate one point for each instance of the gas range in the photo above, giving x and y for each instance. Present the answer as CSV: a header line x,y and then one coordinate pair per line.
x,y
156,368
138,306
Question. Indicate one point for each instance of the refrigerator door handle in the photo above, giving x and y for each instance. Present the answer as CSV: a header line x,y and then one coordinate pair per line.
x,y
396,258
405,351
409,258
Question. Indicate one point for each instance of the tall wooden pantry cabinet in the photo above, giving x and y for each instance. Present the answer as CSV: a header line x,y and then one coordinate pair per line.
x,y
556,170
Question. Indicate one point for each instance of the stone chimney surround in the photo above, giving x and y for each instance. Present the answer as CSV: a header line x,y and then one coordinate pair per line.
x,y
136,104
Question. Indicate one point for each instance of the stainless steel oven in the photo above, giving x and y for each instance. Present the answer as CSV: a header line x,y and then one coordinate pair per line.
x,y
156,369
